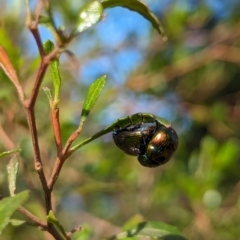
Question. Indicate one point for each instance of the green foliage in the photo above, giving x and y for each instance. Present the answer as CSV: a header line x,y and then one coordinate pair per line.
x,y
48,47
89,15
152,230
12,169
2,154
52,219
92,96
139,7
122,122
9,205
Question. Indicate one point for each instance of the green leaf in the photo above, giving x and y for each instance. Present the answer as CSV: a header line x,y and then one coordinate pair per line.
x,y
152,230
139,7
228,154
49,95
52,219
123,122
16,222
92,96
9,205
2,154
48,47
46,21
12,169
88,16
86,232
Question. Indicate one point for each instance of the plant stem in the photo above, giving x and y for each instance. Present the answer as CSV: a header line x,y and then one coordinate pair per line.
x,y
35,219
56,129
37,157
29,105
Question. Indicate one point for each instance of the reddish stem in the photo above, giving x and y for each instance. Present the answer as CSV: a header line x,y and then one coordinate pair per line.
x,y
56,129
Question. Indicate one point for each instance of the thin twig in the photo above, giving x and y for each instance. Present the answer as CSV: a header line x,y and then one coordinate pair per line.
x,y
37,157
62,157
218,50
35,219
56,129
29,105
38,40
55,172
70,140
38,10
41,72
33,25
57,235
77,229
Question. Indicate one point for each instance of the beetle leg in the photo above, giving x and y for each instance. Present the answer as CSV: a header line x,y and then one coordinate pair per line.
x,y
143,145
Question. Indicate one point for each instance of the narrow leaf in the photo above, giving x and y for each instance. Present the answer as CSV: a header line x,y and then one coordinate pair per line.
x,y
9,205
139,7
92,96
9,70
122,122
49,94
12,169
2,154
7,66
16,222
52,219
48,47
88,16
152,230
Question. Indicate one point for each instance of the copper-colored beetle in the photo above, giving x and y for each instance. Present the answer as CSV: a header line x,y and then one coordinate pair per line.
x,y
153,140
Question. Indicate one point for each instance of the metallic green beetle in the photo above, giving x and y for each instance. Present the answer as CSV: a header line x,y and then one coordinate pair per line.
x,y
160,148
147,136
132,139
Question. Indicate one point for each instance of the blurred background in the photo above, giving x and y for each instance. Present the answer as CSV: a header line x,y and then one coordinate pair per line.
x,y
193,80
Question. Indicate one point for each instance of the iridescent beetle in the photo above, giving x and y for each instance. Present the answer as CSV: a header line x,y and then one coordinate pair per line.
x,y
147,136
